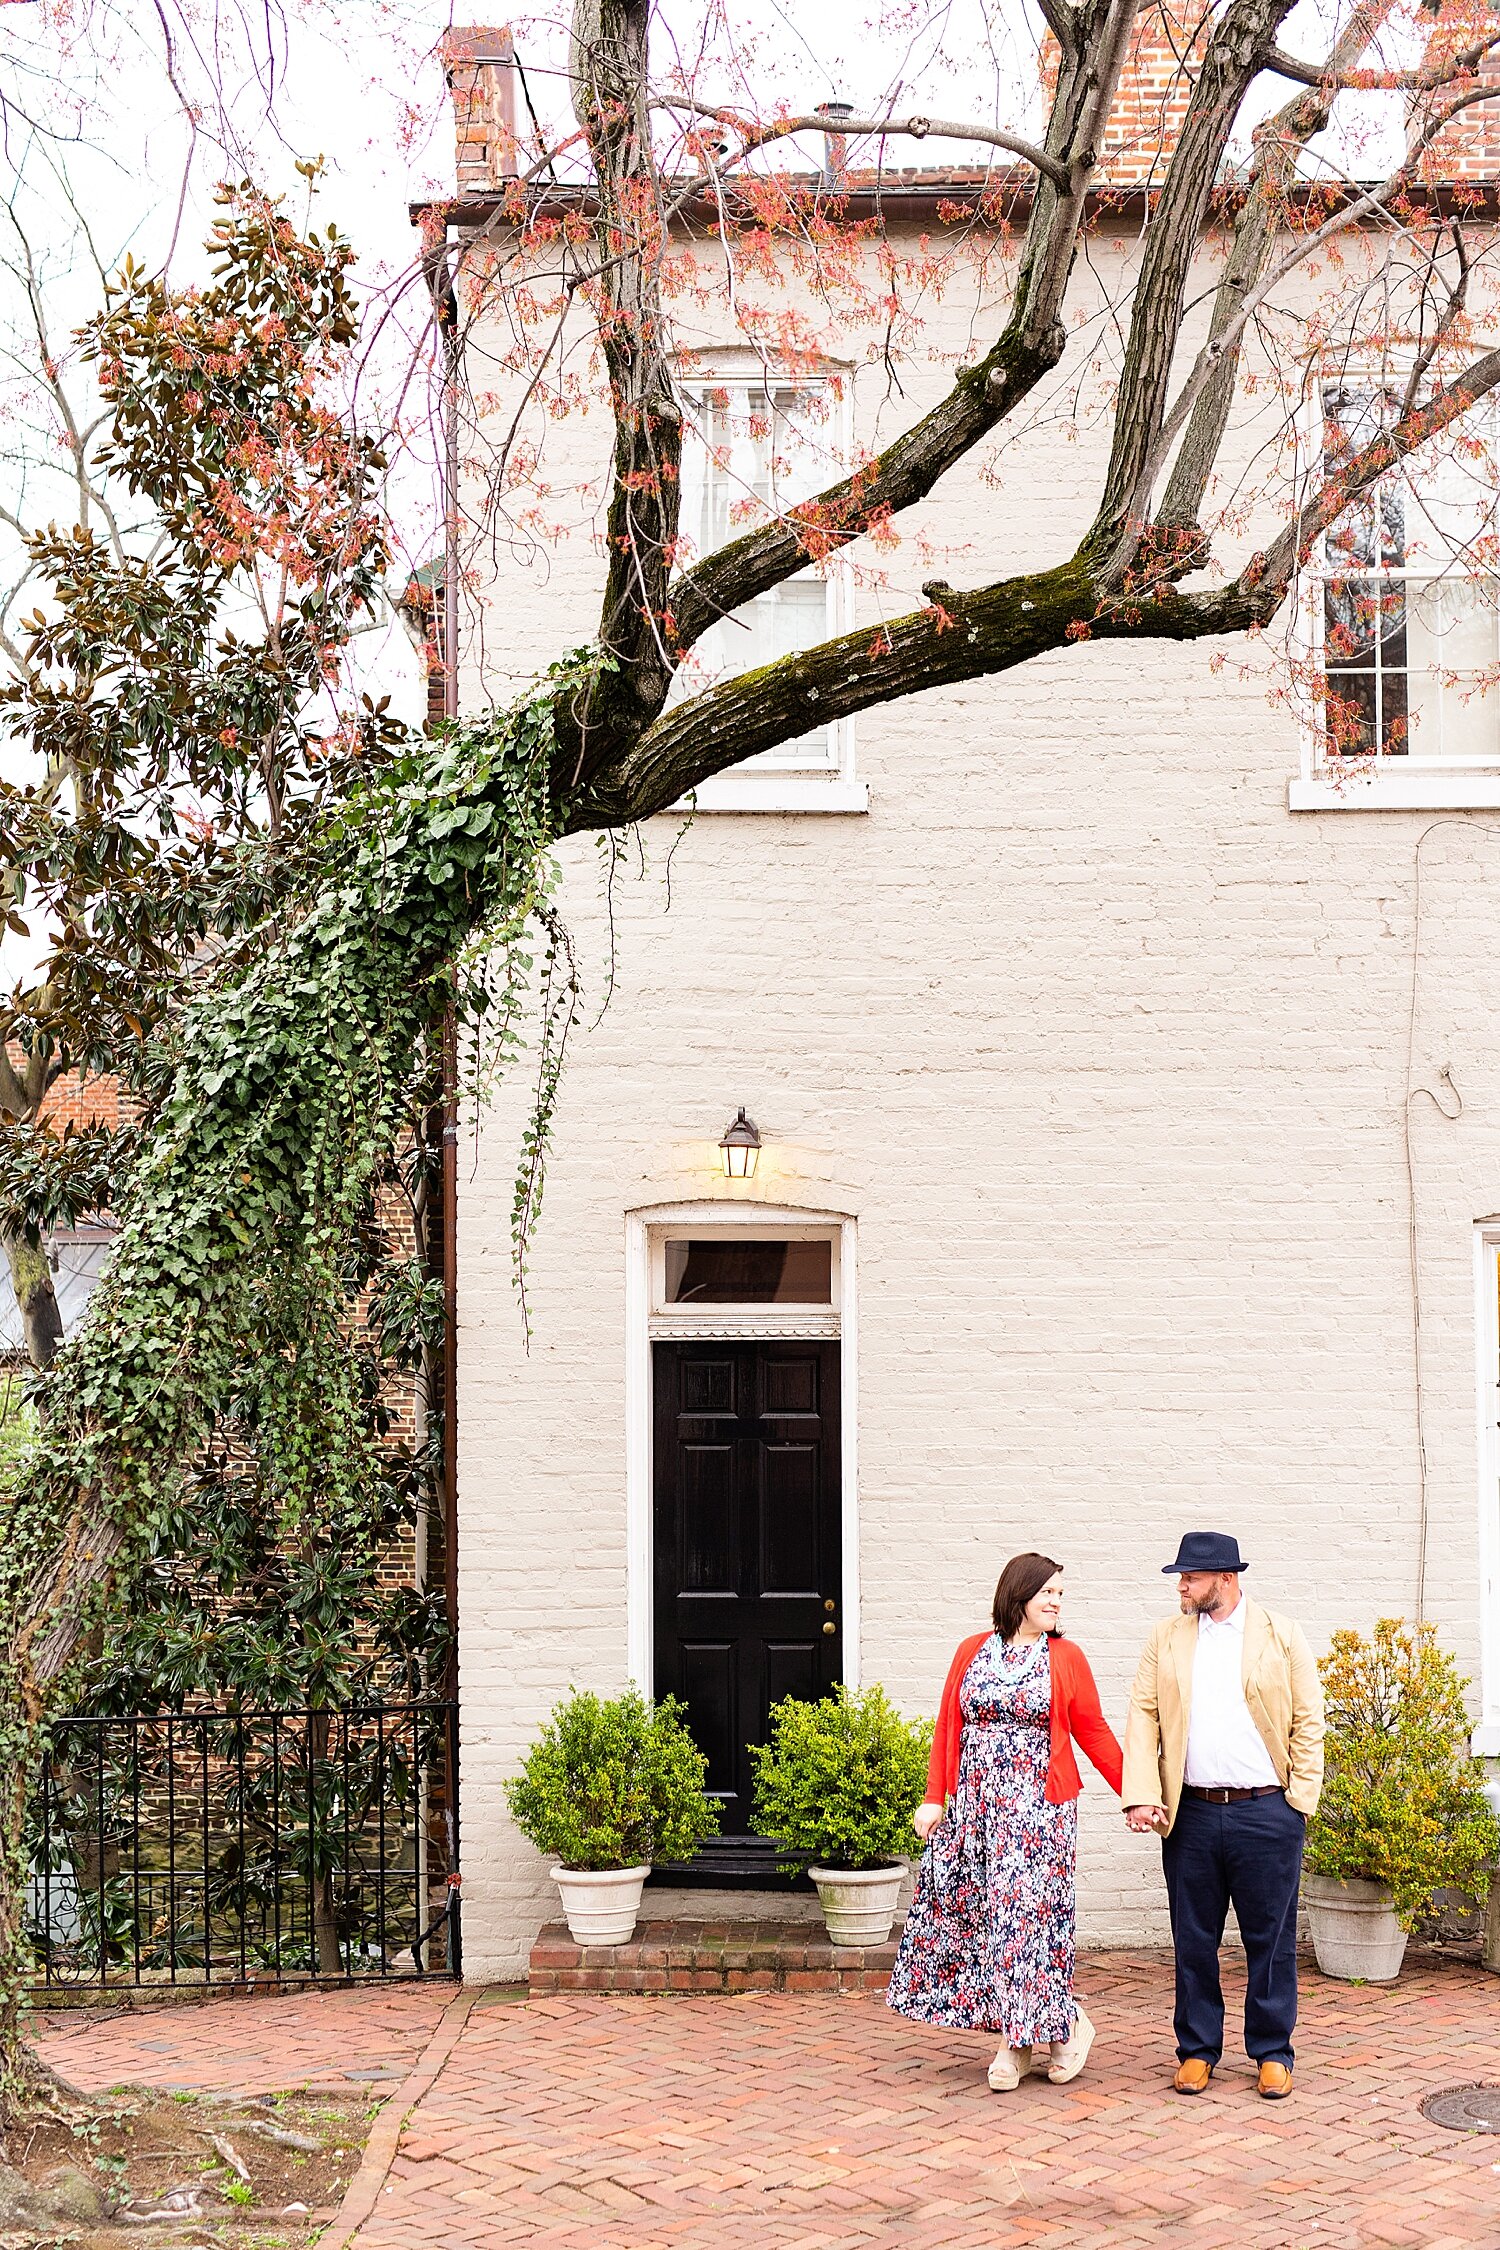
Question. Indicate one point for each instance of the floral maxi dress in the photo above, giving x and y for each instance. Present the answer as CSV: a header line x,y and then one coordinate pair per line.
x,y
988,1942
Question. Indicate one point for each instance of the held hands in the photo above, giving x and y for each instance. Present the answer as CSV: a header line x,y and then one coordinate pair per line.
x,y
925,1819
1141,1819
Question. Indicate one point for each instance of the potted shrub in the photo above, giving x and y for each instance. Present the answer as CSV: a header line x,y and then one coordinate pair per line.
x,y
837,1785
607,1787
1403,1813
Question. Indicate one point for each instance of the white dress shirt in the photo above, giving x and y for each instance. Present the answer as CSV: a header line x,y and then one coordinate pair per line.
x,y
1224,1749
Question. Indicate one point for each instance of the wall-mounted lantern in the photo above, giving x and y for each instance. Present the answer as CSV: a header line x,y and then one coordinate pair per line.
x,y
740,1149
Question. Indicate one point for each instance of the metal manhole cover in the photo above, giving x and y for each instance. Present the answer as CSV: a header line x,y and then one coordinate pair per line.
x,y
1465,2109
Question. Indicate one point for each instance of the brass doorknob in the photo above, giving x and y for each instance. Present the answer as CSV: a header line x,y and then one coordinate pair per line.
x,y
830,1628
830,1606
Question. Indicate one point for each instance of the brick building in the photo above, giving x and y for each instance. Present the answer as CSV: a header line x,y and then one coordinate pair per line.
x,y
1129,1097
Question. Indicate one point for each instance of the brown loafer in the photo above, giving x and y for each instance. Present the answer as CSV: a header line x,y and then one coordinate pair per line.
x,y
1274,2082
1192,2076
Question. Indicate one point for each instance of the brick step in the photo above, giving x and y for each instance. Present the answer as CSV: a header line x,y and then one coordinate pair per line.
x,y
709,1957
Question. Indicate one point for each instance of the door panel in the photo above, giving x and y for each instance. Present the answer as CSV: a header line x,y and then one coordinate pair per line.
x,y
789,1530
792,1668
708,1521
747,1530
710,1690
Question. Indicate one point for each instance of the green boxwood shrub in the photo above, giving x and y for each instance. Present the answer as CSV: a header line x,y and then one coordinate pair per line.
x,y
839,1780
613,1783
1402,1799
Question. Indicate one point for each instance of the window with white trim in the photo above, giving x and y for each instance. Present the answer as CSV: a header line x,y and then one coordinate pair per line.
x,y
1404,613
753,448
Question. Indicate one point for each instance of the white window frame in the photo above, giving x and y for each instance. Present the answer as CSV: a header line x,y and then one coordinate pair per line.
x,y
1376,782
826,785
1486,1737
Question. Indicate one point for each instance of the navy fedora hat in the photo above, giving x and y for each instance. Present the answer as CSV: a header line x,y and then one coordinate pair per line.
x,y
1206,1550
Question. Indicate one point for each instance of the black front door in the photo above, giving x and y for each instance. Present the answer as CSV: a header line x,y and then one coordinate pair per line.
x,y
749,1593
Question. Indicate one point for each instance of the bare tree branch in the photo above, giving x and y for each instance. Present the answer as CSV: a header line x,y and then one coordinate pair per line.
x,y
1278,145
1340,77
1232,59
1226,341
609,73
753,136
982,397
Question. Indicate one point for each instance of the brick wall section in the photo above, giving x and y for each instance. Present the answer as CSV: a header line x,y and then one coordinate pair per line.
x,y
479,64
1466,151
691,1956
1155,88
77,1100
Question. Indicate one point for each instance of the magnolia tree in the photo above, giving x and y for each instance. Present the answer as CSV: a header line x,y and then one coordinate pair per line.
x,y
291,1070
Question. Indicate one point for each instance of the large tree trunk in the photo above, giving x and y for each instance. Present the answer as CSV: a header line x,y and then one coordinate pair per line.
x,y
31,1279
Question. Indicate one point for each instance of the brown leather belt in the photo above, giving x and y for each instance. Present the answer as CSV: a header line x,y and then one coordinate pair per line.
x,y
1227,1796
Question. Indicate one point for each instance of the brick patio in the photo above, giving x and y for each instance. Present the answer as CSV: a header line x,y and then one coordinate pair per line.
x,y
810,2121
335,2041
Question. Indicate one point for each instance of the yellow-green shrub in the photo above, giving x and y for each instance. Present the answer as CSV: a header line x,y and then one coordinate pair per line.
x,y
1402,1800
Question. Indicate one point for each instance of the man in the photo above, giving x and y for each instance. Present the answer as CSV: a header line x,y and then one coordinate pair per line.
x,y
1224,1755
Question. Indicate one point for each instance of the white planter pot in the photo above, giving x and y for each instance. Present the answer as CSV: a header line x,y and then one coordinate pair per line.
x,y
1355,1933
601,1904
859,1904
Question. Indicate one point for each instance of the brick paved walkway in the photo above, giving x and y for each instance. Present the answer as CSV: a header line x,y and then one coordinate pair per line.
x,y
819,2122
804,2122
337,2041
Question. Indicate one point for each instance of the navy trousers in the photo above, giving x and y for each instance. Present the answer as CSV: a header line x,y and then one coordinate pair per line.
x,y
1248,1856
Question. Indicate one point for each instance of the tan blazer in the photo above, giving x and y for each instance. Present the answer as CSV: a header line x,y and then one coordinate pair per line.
x,y
1282,1690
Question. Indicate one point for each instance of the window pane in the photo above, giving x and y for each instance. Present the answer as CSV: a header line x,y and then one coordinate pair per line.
x,y
1452,625
1454,641
1371,533
1349,714
1351,611
1364,641
749,1273
766,450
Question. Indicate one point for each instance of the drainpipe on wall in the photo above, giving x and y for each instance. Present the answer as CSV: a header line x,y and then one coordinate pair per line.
x,y
445,313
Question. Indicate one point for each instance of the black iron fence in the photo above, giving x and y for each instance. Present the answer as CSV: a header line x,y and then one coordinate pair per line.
x,y
208,1847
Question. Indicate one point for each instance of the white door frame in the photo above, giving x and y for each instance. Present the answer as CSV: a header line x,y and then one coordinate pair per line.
x,y
639,1469
1486,1740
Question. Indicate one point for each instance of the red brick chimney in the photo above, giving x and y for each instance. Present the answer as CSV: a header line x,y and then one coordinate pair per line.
x,y
1468,150
480,69
1155,85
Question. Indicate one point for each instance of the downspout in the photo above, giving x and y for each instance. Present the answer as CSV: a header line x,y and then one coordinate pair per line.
x,y
445,320
440,284
448,330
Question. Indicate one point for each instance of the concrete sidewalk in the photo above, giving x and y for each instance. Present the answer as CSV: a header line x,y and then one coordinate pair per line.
x,y
822,2122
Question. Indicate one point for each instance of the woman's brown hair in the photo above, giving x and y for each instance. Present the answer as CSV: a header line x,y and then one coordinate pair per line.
x,y
1023,1577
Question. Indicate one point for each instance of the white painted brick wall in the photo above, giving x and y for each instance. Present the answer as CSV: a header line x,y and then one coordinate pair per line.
x,y
1108,1053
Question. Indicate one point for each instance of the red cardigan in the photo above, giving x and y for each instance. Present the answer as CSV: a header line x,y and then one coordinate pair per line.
x,y
1075,1714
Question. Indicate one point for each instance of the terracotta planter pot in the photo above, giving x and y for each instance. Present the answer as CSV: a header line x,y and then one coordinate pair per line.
x,y
859,1903
601,1904
1355,1933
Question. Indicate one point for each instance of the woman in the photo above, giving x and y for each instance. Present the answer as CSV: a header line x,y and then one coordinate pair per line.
x,y
988,1942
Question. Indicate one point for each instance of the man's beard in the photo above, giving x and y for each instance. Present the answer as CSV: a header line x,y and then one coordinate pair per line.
x,y
1204,1608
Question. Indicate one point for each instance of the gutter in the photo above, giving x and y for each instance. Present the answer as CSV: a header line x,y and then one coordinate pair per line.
x,y
946,199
